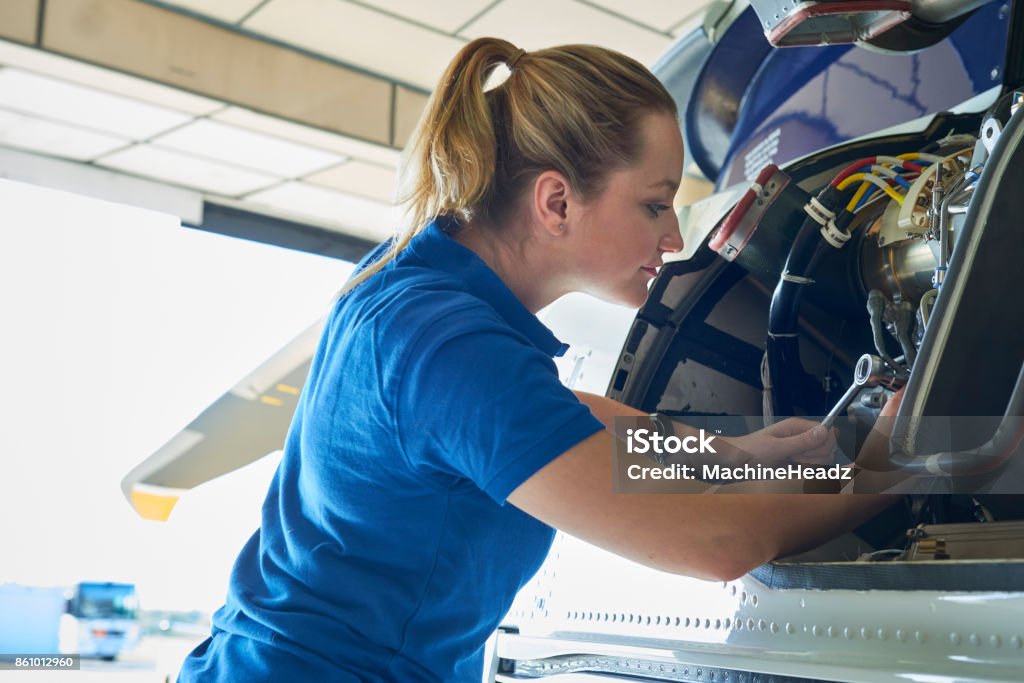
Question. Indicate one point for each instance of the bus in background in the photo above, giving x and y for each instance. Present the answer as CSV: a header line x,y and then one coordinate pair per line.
x,y
107,616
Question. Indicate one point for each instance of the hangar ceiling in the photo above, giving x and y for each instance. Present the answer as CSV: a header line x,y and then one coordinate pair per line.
x,y
289,108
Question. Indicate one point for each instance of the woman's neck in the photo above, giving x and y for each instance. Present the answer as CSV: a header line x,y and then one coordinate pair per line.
x,y
524,270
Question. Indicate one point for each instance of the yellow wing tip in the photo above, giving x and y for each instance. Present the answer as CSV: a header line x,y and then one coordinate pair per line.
x,y
153,506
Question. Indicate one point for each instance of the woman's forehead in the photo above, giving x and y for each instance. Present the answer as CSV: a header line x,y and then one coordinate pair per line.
x,y
661,160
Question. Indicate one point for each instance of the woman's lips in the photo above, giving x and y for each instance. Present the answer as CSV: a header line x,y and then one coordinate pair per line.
x,y
650,270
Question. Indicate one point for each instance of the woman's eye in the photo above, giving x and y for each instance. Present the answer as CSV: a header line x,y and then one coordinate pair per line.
x,y
656,209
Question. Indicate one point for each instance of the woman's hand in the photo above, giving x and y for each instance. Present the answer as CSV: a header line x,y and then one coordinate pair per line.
x,y
874,453
892,406
796,440
792,440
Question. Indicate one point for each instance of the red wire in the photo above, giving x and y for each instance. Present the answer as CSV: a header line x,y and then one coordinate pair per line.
x,y
851,169
868,161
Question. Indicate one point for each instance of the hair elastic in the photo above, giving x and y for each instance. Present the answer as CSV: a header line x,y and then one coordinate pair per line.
x,y
515,59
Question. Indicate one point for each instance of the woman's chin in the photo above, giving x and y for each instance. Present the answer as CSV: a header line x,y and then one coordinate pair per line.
x,y
633,297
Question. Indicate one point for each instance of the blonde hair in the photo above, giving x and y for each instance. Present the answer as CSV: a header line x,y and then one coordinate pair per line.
x,y
575,109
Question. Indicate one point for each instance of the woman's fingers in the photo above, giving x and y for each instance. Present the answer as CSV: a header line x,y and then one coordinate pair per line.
x,y
893,404
812,445
790,440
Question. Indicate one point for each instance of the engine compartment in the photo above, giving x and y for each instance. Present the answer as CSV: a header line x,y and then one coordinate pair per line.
x,y
837,280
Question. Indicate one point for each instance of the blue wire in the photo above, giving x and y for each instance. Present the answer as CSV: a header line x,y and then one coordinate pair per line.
x,y
874,188
901,181
864,199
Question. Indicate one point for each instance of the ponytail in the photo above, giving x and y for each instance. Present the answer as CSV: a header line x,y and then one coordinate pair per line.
x,y
575,109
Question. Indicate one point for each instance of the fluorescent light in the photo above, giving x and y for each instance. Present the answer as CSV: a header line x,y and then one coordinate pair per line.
x,y
188,171
101,183
296,132
83,107
230,11
364,37
257,151
24,132
335,210
445,15
567,22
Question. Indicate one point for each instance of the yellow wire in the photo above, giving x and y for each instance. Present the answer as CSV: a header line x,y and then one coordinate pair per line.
x,y
873,179
865,184
910,156
850,180
856,197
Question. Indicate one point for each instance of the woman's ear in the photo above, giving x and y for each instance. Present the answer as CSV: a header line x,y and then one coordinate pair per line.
x,y
550,202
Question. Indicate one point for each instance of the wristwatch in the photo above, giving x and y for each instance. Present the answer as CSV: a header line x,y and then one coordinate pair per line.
x,y
663,426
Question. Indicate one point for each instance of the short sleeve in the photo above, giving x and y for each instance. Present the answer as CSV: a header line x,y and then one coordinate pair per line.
x,y
485,404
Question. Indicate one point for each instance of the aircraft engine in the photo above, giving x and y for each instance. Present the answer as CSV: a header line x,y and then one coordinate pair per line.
x,y
867,241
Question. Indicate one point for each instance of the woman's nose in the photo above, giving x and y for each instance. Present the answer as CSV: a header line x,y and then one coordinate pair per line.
x,y
673,241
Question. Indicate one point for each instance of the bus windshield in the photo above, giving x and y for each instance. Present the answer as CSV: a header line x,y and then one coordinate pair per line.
x,y
105,601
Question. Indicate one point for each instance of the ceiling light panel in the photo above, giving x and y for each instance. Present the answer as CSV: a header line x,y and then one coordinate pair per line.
x,y
567,22
85,107
296,132
66,69
359,36
252,150
359,177
657,14
230,11
445,15
55,139
188,171
338,211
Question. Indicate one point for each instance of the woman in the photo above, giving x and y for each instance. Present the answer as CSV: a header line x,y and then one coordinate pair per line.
x,y
433,448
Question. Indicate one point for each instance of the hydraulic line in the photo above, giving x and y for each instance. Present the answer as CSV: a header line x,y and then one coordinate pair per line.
x,y
876,310
783,350
985,458
903,321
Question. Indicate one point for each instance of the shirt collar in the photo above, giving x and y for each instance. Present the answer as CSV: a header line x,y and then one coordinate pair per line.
x,y
436,247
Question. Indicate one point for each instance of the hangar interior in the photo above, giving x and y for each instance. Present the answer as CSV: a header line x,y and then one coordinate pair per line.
x,y
282,121
292,110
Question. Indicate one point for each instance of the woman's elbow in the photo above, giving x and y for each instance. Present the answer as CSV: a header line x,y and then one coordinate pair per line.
x,y
719,562
733,568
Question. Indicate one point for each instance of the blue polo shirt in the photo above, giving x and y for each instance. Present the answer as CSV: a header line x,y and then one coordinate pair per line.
x,y
386,550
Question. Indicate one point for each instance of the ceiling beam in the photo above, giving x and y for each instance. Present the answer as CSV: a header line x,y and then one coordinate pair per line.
x,y
186,52
19,20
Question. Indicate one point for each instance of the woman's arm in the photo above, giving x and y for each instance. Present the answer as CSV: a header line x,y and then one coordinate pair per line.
x,y
791,440
719,537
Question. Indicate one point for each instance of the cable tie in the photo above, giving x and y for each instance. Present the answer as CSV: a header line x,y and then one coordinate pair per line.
x,y
779,335
818,213
824,210
833,235
883,170
798,279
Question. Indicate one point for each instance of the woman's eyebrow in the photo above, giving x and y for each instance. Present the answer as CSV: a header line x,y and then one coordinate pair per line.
x,y
670,184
